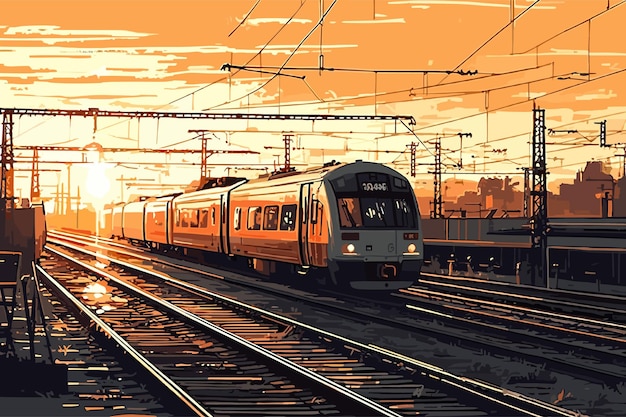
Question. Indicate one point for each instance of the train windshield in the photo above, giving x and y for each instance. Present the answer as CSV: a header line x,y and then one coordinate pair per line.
x,y
371,200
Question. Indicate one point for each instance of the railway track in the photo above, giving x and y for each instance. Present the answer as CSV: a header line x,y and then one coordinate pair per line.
x,y
569,342
100,382
601,307
576,344
213,371
586,377
402,384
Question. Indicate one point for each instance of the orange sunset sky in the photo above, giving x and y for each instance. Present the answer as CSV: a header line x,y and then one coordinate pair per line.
x,y
468,66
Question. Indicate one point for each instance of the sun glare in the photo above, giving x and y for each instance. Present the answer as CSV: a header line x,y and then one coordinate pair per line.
x,y
97,182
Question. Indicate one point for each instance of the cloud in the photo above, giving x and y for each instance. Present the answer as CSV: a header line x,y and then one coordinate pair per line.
x,y
423,4
288,49
374,21
51,35
529,95
280,20
603,95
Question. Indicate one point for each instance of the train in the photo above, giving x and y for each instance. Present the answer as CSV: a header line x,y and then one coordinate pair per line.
x,y
346,224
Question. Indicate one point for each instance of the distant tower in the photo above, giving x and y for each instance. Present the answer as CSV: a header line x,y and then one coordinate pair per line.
x,y
413,149
35,191
6,185
539,196
437,212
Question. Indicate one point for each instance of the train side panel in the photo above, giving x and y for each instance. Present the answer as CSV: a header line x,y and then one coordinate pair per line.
x,y
133,221
116,221
196,222
157,222
265,221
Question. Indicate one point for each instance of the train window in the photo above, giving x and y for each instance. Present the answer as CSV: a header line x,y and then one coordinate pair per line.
x,y
399,183
350,212
184,221
254,218
377,212
344,184
315,209
204,218
213,216
288,216
177,218
404,214
237,218
194,217
270,218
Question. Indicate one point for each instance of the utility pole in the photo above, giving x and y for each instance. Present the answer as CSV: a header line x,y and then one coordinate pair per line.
x,y
35,192
602,134
69,190
539,195
413,148
6,184
121,180
526,190
77,203
57,205
203,155
437,212
468,135
287,137
623,164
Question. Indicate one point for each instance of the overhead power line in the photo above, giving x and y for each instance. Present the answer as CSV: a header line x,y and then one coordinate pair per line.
x,y
227,67
291,55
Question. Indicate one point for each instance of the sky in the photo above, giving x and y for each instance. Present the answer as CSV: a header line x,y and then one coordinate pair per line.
x,y
471,67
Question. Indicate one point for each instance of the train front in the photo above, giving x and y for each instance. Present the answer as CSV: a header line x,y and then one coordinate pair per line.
x,y
375,240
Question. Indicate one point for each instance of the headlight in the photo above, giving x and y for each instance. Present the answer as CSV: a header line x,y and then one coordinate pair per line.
x,y
350,247
411,248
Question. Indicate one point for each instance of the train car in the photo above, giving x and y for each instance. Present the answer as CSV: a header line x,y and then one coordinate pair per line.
x,y
116,221
158,222
199,217
359,222
264,222
133,224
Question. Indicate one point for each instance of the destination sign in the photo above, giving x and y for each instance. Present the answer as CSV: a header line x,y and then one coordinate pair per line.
x,y
374,186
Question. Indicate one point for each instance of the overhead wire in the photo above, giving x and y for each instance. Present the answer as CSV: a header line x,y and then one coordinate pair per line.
x,y
259,52
410,91
612,7
494,35
291,55
582,82
608,9
245,18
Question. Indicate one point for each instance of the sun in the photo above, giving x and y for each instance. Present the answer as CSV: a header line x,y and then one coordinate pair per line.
x,y
97,182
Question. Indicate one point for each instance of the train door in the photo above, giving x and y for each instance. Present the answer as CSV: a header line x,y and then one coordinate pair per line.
x,y
168,222
223,247
317,234
303,229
